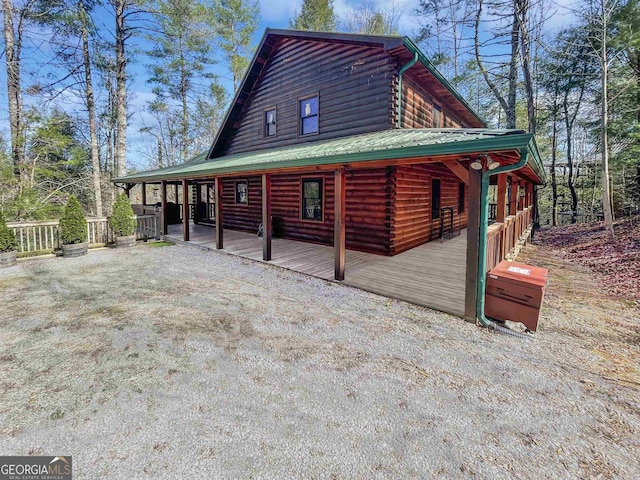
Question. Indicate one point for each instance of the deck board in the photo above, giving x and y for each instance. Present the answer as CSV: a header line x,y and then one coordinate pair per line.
x,y
432,274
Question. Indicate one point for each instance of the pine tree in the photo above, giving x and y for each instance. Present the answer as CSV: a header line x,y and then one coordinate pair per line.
x,y
182,52
235,22
315,15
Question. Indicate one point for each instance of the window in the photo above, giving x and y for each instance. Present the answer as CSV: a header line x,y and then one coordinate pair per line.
x,y
436,114
435,198
312,199
242,192
309,115
270,122
461,197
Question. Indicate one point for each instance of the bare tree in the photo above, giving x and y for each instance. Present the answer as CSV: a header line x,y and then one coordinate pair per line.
x,y
602,19
367,18
445,32
91,108
13,31
120,7
508,101
598,16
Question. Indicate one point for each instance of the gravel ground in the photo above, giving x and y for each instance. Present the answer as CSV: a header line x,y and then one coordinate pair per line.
x,y
180,363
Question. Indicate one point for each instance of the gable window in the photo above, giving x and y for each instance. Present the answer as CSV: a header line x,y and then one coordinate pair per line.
x,y
242,192
461,197
435,198
270,122
312,199
436,116
308,111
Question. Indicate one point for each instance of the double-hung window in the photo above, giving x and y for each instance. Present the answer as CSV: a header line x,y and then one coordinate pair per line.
x,y
308,112
270,122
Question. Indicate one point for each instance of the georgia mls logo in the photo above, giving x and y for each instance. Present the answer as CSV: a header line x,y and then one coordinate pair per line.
x,y
35,468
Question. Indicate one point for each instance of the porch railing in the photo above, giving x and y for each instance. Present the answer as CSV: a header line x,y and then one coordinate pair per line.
x,y
504,239
40,238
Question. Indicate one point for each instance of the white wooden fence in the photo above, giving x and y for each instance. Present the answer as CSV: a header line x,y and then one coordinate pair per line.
x,y
44,237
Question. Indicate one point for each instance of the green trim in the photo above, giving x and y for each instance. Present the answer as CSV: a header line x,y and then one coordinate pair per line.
x,y
537,165
400,73
413,48
483,232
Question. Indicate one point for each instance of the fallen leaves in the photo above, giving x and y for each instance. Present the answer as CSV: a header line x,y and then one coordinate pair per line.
x,y
614,263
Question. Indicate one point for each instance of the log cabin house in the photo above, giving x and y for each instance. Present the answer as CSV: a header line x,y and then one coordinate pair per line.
x,y
358,162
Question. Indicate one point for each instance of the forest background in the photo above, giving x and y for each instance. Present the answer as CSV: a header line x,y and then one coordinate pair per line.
x,y
100,88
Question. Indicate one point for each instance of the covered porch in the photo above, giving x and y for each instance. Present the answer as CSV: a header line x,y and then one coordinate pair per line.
x,y
431,275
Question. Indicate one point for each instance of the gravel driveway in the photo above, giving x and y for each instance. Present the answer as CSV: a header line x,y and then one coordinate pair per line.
x,y
179,363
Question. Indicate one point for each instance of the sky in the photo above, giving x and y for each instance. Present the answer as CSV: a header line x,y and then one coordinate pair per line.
x,y
274,14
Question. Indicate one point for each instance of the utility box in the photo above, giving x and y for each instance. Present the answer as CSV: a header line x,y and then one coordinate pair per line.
x,y
515,292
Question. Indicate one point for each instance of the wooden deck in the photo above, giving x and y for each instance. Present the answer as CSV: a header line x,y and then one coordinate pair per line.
x,y
432,275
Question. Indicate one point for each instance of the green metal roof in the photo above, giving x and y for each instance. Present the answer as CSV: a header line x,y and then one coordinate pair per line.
x,y
384,145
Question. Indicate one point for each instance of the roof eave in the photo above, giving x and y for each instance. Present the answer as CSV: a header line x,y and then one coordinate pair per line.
x,y
413,48
535,160
485,145
238,91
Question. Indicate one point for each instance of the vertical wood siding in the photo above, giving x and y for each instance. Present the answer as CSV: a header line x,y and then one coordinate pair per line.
x,y
412,221
417,102
354,84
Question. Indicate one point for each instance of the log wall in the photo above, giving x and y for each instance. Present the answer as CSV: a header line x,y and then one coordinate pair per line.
x,y
286,206
242,217
418,100
353,82
388,210
412,223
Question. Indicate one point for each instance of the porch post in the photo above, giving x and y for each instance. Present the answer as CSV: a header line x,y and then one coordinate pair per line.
x,y
218,212
473,244
185,210
521,200
513,197
266,217
165,226
529,193
502,198
144,194
175,192
339,233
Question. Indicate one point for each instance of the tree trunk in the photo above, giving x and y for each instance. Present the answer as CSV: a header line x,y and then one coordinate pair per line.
x,y
513,69
604,124
604,141
509,104
121,91
91,110
570,183
12,58
485,74
554,182
522,14
185,108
